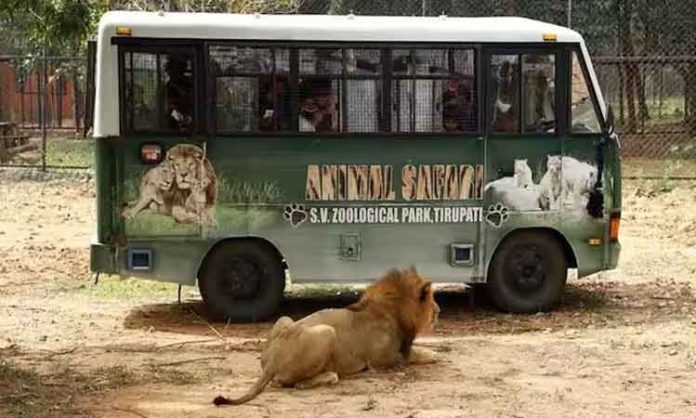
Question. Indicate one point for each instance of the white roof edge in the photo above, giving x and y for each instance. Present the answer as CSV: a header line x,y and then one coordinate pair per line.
x,y
334,27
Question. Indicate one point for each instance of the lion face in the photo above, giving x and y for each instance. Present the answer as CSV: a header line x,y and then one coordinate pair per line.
x,y
186,172
166,177
186,161
430,310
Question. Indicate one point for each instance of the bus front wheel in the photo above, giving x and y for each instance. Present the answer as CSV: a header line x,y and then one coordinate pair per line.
x,y
242,281
528,273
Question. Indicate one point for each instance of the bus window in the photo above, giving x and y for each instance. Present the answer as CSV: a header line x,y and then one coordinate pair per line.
x,y
433,90
534,80
363,72
249,89
538,74
505,94
584,116
159,92
319,95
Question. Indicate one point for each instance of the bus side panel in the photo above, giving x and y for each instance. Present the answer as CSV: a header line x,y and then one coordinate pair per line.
x,y
105,167
350,208
508,208
174,261
577,226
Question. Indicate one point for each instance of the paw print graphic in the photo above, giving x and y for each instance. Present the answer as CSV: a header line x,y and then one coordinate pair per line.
x,y
295,213
497,215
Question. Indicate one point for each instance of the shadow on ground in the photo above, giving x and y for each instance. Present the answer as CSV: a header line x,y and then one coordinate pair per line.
x,y
468,312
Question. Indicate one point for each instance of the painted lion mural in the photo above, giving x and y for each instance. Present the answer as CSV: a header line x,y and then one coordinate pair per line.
x,y
183,186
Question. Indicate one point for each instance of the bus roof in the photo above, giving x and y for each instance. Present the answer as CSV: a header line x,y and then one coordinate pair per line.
x,y
332,27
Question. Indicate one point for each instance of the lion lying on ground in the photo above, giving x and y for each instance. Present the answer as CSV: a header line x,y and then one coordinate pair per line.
x,y
377,331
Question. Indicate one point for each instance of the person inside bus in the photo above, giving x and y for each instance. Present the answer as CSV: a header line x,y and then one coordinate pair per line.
x,y
267,114
540,103
457,107
274,104
178,101
505,109
317,106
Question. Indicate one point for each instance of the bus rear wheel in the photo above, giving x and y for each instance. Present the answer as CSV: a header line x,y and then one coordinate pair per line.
x,y
242,281
528,273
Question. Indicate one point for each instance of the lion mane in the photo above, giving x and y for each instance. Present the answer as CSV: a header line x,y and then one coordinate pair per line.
x,y
191,169
377,331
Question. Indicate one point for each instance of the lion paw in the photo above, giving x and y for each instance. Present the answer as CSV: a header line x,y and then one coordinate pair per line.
x,y
127,213
497,215
324,379
295,214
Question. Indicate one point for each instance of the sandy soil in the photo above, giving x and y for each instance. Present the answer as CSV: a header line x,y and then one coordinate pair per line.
x,y
623,344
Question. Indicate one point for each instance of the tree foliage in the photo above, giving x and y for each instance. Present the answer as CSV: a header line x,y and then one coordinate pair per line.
x,y
51,26
61,27
212,6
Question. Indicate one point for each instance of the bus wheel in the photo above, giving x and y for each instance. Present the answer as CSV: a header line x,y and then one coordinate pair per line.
x,y
242,281
528,273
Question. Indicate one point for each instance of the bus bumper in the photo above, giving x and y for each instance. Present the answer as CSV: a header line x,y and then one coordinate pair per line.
x,y
102,259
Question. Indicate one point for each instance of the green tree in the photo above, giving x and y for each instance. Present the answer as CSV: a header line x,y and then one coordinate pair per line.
x,y
51,26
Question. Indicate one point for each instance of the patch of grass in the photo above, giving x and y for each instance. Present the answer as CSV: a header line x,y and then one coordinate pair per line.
x,y
323,290
171,376
70,152
684,152
26,393
116,288
238,217
147,223
234,191
661,167
131,186
227,218
112,377
18,390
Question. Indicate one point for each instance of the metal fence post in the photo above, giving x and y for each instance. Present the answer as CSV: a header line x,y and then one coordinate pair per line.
x,y
570,14
44,98
75,106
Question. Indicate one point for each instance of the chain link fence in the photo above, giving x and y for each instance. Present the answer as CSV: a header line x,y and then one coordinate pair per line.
x,y
644,54
42,112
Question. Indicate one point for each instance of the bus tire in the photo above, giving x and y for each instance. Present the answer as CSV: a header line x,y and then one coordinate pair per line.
x,y
242,281
528,273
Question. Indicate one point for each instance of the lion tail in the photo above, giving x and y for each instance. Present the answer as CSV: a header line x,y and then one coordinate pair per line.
x,y
253,392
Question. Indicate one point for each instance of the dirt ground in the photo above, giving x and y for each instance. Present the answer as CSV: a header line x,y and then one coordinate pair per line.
x,y
623,344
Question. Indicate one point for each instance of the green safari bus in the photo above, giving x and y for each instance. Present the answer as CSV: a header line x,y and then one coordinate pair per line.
x,y
232,150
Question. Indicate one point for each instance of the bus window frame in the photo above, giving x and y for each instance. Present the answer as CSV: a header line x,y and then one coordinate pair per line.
x,y
575,48
211,97
161,46
561,97
482,52
204,120
385,121
413,77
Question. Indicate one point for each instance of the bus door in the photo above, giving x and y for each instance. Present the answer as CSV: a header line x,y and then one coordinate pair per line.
x,y
590,155
523,121
165,176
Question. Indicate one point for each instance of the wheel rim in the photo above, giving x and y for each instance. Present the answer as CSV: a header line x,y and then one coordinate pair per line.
x,y
526,270
241,278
